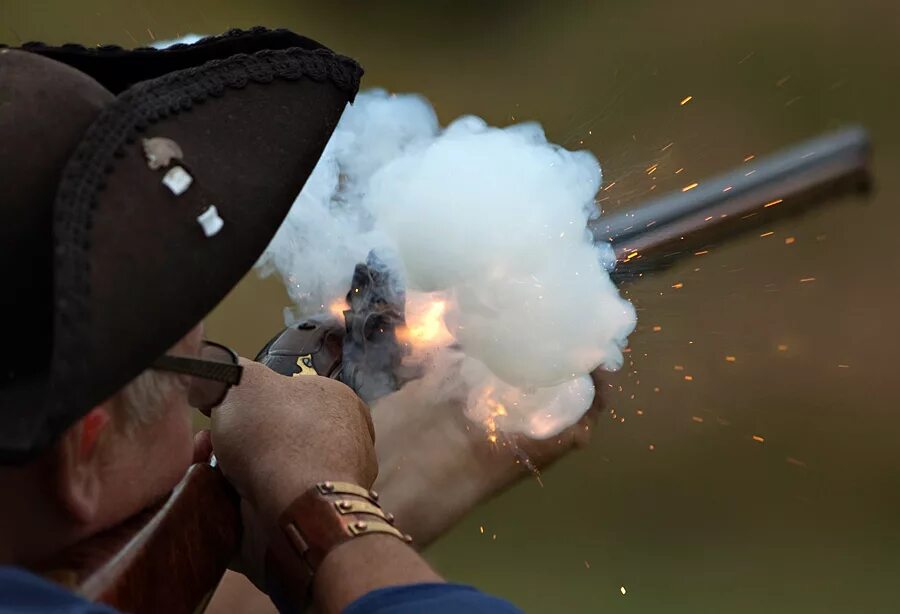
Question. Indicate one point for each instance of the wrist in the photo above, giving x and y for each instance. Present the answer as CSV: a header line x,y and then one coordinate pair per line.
x,y
360,566
324,518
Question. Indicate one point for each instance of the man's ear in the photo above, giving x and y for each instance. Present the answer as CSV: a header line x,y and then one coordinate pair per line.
x,y
79,465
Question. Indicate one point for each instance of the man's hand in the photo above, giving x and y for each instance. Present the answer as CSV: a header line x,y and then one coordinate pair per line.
x,y
276,436
436,465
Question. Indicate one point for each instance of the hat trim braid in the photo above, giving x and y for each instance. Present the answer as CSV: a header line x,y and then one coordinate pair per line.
x,y
116,50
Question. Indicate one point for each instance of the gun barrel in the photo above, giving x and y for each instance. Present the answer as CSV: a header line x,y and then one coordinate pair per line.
x,y
777,186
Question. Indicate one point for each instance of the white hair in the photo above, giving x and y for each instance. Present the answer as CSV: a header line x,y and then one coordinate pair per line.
x,y
145,397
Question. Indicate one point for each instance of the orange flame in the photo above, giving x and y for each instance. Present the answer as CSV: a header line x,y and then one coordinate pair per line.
x,y
425,323
337,307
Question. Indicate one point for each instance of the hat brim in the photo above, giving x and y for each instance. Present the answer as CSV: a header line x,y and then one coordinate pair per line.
x,y
133,269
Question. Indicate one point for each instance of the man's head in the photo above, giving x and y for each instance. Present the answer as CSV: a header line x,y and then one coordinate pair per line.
x,y
111,261
123,455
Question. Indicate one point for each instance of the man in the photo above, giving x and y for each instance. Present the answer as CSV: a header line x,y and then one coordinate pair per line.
x,y
138,188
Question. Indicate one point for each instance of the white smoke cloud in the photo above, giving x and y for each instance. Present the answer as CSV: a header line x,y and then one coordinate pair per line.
x,y
492,219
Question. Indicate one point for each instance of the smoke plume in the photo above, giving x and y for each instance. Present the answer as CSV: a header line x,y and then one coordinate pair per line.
x,y
489,224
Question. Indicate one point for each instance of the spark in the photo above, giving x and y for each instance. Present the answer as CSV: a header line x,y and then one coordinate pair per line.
x,y
767,234
622,590
586,564
730,359
686,100
651,447
609,186
758,439
657,328
782,347
481,528
789,240
782,81
679,170
150,32
750,173
803,280
795,461
679,367
728,189
773,203
652,169
678,285
697,419
690,187
706,219
688,378
701,253
748,158
667,146
843,366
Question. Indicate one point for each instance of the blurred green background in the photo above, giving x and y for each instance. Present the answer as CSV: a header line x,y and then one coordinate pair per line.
x,y
678,503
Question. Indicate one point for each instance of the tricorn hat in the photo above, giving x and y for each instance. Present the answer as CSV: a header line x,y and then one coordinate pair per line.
x,y
139,186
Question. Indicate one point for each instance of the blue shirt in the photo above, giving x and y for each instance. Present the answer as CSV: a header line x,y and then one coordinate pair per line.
x,y
22,592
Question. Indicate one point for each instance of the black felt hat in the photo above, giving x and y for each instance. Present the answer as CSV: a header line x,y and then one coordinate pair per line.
x,y
139,186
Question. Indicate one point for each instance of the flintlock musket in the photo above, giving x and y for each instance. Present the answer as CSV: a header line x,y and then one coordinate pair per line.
x,y
171,557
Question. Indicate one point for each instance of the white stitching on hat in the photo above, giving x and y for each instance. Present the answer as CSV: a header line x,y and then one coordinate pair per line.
x,y
210,221
177,180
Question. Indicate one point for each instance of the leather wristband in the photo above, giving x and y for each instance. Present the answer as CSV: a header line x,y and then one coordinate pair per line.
x,y
316,522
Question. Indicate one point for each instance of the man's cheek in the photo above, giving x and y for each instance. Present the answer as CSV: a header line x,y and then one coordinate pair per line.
x,y
172,446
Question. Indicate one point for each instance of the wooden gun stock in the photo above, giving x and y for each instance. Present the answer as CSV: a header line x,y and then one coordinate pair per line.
x,y
166,559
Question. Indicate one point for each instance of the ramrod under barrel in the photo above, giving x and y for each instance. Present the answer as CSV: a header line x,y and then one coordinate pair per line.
x,y
783,184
